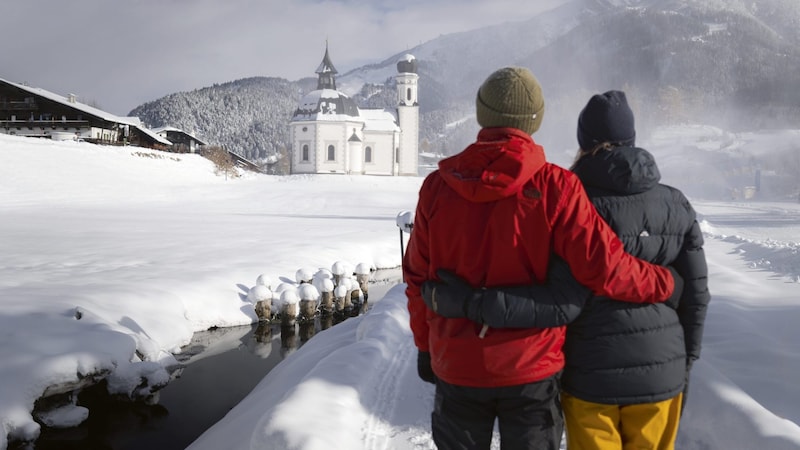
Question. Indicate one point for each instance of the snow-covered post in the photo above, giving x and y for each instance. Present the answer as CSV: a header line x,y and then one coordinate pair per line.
x,y
265,280
261,297
340,298
405,222
309,299
325,288
323,281
362,277
304,275
356,297
340,270
289,301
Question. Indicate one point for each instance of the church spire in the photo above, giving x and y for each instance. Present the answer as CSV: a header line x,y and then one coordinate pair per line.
x,y
326,71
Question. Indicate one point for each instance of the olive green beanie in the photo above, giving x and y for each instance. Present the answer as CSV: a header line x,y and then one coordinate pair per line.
x,y
511,97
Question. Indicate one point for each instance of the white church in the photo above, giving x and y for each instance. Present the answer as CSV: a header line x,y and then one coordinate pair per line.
x,y
330,134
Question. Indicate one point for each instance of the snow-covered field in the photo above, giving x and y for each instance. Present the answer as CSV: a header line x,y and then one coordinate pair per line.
x,y
111,258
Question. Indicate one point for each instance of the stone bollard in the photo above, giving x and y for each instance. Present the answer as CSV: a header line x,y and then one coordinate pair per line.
x,y
363,271
309,300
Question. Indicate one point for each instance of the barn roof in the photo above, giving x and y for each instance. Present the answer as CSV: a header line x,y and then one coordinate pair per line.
x,y
84,108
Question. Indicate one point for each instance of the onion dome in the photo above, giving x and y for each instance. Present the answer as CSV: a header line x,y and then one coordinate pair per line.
x,y
407,64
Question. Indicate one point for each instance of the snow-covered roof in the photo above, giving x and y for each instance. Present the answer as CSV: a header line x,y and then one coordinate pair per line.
x,y
167,129
74,104
378,120
326,104
407,64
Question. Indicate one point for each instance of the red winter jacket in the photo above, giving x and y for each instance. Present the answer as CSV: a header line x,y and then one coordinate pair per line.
x,y
494,214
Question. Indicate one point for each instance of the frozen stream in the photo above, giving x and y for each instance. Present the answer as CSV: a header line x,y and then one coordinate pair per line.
x,y
236,357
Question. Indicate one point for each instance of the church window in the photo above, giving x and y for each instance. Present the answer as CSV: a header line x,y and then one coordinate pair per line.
x,y
368,154
305,152
408,94
331,153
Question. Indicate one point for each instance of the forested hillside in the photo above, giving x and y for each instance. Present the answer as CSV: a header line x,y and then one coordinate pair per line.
x,y
721,62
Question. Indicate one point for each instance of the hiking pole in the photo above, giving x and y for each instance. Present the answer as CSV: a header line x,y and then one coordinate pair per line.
x,y
405,222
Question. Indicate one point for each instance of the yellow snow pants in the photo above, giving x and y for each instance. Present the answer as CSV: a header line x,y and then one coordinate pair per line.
x,y
646,426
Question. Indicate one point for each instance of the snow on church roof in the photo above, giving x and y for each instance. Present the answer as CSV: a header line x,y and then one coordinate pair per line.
x,y
326,104
378,120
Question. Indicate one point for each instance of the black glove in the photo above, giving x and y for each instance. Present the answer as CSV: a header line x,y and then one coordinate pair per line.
x,y
452,297
424,369
689,362
675,299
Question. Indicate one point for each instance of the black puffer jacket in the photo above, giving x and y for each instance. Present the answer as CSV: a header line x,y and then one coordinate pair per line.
x,y
616,352
622,353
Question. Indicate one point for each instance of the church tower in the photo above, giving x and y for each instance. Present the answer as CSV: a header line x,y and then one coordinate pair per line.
x,y
326,72
407,152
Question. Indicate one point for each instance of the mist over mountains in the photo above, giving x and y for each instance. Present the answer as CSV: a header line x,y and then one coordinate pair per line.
x,y
728,63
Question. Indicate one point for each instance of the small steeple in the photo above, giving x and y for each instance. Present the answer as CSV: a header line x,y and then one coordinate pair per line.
x,y
326,71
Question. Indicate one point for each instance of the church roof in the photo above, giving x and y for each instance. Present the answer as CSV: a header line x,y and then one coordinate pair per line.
x,y
326,104
407,64
378,120
326,66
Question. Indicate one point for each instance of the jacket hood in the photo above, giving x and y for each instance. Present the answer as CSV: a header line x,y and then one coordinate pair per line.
x,y
495,166
624,170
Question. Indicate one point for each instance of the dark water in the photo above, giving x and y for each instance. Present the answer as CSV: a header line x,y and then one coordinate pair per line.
x,y
221,367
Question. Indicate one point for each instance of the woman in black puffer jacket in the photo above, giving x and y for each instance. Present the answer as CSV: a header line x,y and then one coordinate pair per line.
x,y
627,364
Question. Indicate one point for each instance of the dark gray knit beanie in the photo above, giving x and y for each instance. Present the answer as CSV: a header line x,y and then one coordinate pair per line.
x,y
606,118
511,97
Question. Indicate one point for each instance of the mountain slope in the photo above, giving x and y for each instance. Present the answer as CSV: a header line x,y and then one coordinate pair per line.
x,y
726,62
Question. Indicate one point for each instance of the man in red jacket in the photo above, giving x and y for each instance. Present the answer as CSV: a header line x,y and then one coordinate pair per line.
x,y
495,214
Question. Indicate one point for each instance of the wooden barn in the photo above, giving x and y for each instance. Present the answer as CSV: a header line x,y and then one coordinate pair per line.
x,y
182,141
35,112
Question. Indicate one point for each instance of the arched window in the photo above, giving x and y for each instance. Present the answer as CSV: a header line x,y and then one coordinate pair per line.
x,y
368,154
408,94
331,153
305,152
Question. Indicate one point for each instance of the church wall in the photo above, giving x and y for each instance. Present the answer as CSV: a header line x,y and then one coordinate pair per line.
x,y
304,134
408,160
382,145
334,134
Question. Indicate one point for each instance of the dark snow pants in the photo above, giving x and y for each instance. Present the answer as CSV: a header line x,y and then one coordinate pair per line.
x,y
529,416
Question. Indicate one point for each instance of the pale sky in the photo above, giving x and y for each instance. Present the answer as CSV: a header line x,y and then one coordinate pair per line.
x,y
119,54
